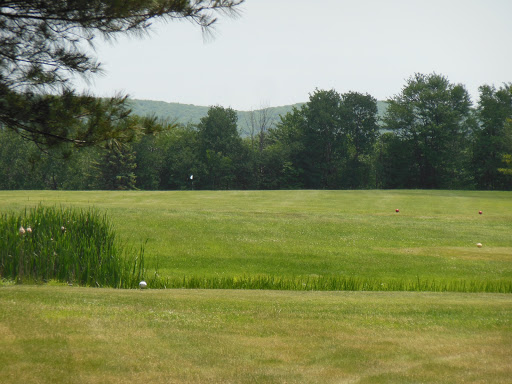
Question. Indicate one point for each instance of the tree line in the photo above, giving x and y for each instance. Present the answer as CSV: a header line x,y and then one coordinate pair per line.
x,y
52,137
431,137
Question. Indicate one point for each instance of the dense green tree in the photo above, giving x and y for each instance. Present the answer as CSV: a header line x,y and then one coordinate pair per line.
x,y
507,159
25,166
218,130
150,151
80,169
181,162
115,169
394,162
359,122
432,117
324,139
18,163
359,114
220,148
493,137
312,140
59,170
279,171
329,140
43,47
282,159
149,157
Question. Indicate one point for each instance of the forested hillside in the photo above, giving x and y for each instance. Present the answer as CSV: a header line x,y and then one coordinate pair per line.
x,y
189,113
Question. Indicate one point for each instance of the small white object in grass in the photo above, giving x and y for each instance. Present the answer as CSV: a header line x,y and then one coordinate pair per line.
x,y
479,245
143,284
22,231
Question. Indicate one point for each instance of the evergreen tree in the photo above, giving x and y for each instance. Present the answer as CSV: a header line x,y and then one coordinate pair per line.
x,y
42,49
115,170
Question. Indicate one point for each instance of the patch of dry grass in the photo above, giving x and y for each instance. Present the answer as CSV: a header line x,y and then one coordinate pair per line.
x,y
499,254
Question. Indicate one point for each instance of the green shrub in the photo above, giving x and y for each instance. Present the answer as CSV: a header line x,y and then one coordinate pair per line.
x,y
66,245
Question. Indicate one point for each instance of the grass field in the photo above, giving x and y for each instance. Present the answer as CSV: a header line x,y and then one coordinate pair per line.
x,y
310,234
60,334
90,335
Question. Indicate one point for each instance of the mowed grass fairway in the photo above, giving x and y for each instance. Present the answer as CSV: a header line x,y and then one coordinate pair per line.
x,y
61,334
90,335
308,233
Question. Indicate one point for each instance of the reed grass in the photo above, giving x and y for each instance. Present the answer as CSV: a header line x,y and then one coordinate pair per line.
x,y
66,245
329,283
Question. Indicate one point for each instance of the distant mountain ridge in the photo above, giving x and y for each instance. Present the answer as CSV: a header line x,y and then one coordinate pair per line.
x,y
189,113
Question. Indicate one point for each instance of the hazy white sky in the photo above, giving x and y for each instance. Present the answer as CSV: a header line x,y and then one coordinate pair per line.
x,y
279,51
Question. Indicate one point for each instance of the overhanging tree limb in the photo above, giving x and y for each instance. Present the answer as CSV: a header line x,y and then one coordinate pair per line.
x,y
42,50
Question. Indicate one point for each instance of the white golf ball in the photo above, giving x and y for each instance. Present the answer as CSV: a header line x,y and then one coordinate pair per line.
x,y
479,245
143,284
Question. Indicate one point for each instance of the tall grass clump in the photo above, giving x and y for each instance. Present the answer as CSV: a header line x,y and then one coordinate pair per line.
x,y
67,245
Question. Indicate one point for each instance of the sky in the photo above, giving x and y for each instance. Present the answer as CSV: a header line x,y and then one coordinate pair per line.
x,y
277,52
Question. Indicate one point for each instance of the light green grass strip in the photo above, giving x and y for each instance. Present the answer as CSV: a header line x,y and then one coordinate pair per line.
x,y
330,283
82,335
278,239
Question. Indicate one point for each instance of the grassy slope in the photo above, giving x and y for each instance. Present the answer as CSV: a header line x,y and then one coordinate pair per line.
x,y
85,335
304,233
